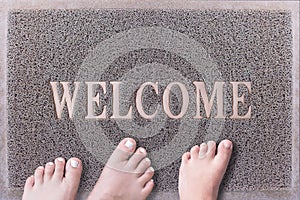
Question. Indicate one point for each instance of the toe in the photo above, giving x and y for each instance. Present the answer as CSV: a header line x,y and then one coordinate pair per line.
x,y
49,169
146,176
148,188
29,183
211,149
121,154
128,146
185,157
59,168
39,176
143,166
224,153
73,173
195,152
136,158
203,150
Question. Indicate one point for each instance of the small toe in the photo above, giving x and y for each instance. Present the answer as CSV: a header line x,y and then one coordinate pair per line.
x,y
211,149
148,188
146,176
185,157
39,175
195,152
59,168
49,169
143,166
136,158
29,183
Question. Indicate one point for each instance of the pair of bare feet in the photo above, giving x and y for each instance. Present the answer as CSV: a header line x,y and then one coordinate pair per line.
x,y
128,175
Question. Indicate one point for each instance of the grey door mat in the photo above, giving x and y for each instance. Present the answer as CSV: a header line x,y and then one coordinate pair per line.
x,y
164,46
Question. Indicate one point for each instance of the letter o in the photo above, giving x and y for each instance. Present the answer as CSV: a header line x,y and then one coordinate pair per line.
x,y
166,100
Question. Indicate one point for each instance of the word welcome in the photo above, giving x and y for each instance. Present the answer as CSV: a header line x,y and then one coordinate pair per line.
x,y
201,94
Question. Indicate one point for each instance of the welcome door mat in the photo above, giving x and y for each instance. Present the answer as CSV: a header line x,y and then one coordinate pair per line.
x,y
81,80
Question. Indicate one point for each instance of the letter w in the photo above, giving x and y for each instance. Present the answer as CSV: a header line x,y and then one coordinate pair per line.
x,y
66,98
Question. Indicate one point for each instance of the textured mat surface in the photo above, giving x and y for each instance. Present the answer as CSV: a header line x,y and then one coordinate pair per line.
x,y
136,46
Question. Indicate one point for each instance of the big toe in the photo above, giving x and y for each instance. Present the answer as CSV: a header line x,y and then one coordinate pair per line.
x,y
73,173
122,153
127,145
224,153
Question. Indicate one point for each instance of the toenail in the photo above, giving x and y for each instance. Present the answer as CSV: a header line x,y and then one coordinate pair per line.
x,y
148,160
151,169
227,145
210,143
40,167
74,163
203,150
129,144
203,146
142,150
60,159
50,163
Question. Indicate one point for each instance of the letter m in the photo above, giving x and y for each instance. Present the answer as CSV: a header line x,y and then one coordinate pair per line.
x,y
208,103
66,98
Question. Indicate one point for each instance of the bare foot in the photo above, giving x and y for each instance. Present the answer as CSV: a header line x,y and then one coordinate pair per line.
x,y
202,170
126,176
54,181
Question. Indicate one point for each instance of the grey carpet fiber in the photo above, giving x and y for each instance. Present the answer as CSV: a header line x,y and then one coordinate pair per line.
x,y
164,46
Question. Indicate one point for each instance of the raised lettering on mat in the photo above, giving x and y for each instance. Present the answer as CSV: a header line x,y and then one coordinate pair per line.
x,y
201,93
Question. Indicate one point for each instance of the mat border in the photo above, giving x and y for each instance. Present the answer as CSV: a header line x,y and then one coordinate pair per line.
x,y
5,5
